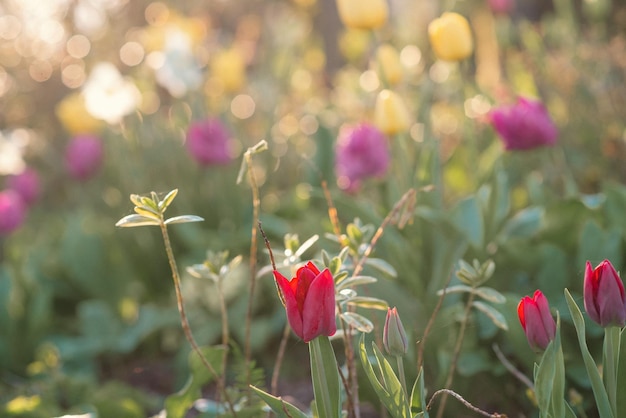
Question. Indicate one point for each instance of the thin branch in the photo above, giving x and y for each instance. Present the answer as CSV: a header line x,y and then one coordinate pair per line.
x,y
464,402
511,368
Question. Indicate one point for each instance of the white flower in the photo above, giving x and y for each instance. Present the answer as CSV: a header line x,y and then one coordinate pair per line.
x,y
180,70
108,95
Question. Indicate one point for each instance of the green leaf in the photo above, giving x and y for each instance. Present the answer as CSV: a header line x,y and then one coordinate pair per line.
x,y
177,404
496,317
599,393
167,200
368,303
147,212
306,245
382,266
544,378
524,224
621,374
325,376
466,216
357,321
136,220
389,389
355,281
459,288
489,294
281,408
418,396
183,219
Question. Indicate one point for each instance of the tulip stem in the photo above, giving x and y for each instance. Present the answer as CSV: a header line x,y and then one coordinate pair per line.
x,y
401,375
185,322
610,364
279,359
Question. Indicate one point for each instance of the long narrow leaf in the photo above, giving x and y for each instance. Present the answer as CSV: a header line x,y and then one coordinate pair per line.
x,y
281,408
325,376
599,393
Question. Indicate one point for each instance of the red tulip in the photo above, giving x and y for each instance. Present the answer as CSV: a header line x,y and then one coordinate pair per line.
x,y
537,321
309,301
604,297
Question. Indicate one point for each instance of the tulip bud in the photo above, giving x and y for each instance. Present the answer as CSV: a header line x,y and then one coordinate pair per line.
x,y
26,184
604,297
363,14
12,211
394,336
361,152
208,142
537,321
83,156
391,115
309,301
524,125
450,37
389,65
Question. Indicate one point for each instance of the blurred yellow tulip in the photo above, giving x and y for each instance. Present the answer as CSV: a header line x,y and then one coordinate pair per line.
x,y
389,66
391,114
75,118
228,67
450,37
363,14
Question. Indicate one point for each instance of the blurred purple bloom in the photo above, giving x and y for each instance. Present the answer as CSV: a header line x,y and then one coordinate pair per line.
x,y
26,184
501,6
208,142
83,156
361,152
524,125
12,211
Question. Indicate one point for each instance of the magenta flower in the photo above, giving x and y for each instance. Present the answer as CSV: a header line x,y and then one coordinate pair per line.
x,y
501,6
603,295
361,152
83,156
12,211
26,184
537,321
524,125
208,142
309,301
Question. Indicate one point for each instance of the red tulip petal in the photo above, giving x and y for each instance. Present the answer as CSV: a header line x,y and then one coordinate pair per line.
x,y
318,314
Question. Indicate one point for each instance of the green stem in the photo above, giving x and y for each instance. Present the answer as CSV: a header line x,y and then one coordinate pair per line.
x,y
325,376
400,362
611,363
185,322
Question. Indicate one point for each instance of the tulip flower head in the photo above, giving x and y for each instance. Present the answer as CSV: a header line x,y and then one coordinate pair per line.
x,y
309,301
12,211
26,184
537,321
361,152
83,156
394,336
208,142
524,125
451,37
363,14
604,297
391,114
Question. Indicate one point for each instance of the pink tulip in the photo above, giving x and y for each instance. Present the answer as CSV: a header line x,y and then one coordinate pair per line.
x,y
309,301
537,321
83,156
604,297
26,184
524,125
361,152
208,142
12,211
503,7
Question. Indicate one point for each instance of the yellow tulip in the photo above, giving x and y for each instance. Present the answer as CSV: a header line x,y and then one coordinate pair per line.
x,y
229,69
391,114
389,65
450,37
75,118
363,14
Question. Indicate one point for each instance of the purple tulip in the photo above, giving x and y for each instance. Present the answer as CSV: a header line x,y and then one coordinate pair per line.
x,y
26,184
83,156
361,152
524,125
208,142
537,321
12,211
604,297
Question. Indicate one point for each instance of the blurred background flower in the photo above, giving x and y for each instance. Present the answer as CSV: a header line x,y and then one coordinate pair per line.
x,y
12,211
208,142
26,184
83,156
